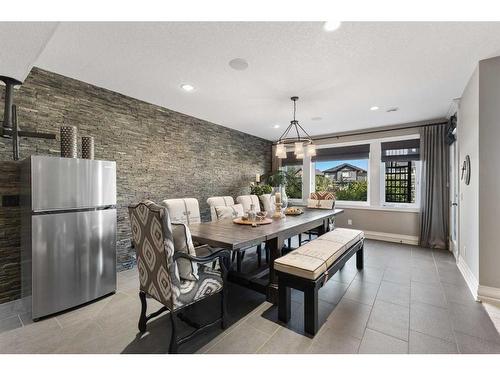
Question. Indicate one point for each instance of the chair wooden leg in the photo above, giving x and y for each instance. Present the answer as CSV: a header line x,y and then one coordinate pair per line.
x,y
223,297
289,244
267,253
173,336
310,236
300,239
259,255
143,318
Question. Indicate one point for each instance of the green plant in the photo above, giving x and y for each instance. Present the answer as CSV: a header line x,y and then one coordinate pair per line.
x,y
276,179
260,189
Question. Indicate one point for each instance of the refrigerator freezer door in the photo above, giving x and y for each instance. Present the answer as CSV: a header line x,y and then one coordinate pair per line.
x,y
74,259
66,183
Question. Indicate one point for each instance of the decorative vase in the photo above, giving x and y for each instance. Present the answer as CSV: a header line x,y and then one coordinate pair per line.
x,y
87,147
69,147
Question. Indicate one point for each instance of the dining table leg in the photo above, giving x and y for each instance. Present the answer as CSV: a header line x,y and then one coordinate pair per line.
x,y
275,246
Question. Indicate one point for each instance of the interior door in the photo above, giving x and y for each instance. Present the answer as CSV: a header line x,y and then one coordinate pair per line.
x,y
454,195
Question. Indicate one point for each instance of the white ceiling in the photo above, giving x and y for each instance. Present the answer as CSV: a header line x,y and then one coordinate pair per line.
x,y
417,67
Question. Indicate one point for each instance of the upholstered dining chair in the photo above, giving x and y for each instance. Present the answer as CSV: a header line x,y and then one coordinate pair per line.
x,y
324,200
247,200
227,201
169,270
183,210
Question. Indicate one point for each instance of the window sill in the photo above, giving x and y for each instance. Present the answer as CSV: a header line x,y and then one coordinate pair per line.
x,y
376,208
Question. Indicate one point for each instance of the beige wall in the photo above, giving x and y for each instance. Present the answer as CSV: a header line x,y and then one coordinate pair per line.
x,y
468,144
489,172
478,137
380,221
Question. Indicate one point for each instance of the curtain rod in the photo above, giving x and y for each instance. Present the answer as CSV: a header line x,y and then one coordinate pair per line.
x,y
440,122
379,131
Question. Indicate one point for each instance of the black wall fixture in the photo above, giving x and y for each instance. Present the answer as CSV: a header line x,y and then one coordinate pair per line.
x,y
10,128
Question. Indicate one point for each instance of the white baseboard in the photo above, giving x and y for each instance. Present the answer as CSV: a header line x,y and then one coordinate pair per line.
x,y
469,277
392,237
488,293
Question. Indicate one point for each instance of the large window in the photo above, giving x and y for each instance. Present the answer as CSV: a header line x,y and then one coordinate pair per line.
x,y
401,170
292,168
343,171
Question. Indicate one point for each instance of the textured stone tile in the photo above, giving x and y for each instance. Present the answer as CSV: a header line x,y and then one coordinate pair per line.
x,y
474,345
394,293
391,319
244,339
377,343
431,320
327,341
363,292
286,341
349,318
431,294
425,344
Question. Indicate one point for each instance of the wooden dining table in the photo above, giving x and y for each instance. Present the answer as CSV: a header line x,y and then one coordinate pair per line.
x,y
237,237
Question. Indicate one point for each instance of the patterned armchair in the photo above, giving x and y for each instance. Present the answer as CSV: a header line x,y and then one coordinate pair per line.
x,y
158,266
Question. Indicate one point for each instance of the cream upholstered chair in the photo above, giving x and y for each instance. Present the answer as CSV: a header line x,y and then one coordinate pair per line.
x,y
247,200
218,201
227,201
183,210
268,202
160,245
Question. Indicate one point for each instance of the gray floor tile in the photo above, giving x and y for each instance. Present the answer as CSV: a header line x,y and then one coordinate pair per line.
x,y
451,276
370,274
286,341
458,294
10,323
244,339
391,319
394,293
474,345
328,341
374,342
425,344
398,275
431,320
431,294
473,321
363,292
425,275
332,292
349,318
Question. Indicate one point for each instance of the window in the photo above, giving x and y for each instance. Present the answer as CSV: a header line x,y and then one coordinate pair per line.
x,y
401,171
343,171
292,168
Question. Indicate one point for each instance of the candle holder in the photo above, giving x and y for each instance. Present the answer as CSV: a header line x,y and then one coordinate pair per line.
x,y
278,213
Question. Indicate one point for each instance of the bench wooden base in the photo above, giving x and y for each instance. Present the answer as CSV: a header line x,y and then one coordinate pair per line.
x,y
311,288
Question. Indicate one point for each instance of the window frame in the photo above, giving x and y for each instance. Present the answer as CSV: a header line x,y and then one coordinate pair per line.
x,y
418,174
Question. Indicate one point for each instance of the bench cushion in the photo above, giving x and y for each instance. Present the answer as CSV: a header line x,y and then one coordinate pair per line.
x,y
311,260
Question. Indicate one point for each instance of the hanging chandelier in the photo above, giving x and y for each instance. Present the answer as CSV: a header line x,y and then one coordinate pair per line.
x,y
295,136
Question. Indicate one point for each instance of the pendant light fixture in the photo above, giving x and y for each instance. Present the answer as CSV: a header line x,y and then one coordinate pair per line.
x,y
295,136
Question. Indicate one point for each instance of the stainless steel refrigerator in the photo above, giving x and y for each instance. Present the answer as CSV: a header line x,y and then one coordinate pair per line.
x,y
68,238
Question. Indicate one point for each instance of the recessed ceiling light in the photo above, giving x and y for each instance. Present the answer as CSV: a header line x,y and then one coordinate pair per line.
x,y
276,126
331,25
238,64
393,109
374,108
187,87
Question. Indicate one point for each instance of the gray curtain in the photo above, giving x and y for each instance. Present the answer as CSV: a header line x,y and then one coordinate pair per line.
x,y
434,210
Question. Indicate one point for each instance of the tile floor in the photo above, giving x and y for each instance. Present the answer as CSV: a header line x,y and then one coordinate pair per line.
x,y
406,300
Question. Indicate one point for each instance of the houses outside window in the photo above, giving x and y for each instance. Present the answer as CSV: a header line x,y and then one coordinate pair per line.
x,y
343,171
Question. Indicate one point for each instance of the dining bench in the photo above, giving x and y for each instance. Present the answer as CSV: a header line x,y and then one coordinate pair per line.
x,y
310,266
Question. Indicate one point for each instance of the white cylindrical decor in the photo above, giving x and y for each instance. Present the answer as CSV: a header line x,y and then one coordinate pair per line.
x,y
87,147
69,146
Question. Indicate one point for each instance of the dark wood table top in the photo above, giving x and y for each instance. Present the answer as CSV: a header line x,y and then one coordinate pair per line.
x,y
225,233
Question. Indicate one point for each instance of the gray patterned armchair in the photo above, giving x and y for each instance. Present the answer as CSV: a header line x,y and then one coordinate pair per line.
x,y
170,271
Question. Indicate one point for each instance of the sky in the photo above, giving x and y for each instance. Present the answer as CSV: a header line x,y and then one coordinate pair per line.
x,y
363,163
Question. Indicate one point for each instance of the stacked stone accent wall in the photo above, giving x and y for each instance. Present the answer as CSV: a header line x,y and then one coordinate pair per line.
x,y
159,154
